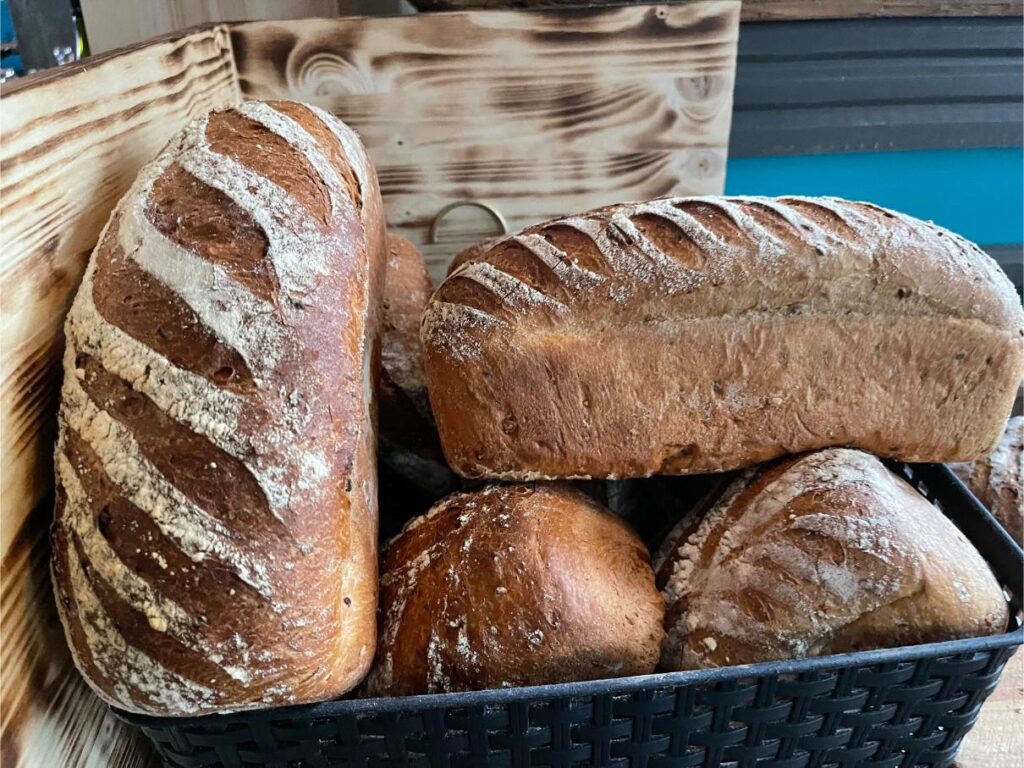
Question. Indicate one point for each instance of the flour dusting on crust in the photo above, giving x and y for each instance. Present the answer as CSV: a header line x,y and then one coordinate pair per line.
x,y
266,430
715,242
790,562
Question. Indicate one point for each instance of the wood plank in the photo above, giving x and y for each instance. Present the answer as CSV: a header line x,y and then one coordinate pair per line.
x,y
113,23
997,741
778,10
73,141
540,114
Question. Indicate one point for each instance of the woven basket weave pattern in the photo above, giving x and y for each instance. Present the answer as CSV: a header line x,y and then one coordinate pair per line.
x,y
895,707
912,713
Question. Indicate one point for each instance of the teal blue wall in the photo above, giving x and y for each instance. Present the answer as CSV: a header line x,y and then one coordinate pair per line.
x,y
976,192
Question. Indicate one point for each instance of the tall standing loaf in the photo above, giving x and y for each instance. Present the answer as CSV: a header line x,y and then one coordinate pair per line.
x,y
215,535
704,334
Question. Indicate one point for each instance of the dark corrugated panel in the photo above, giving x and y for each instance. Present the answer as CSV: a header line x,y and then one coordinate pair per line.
x,y
1011,259
878,84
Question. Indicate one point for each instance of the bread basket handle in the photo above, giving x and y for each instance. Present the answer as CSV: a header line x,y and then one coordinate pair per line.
x,y
494,213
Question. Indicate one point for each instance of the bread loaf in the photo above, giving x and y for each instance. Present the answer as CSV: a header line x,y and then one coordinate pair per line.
x,y
510,586
215,538
704,334
997,479
823,553
409,445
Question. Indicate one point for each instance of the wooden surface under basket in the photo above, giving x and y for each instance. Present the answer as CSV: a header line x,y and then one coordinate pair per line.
x,y
539,114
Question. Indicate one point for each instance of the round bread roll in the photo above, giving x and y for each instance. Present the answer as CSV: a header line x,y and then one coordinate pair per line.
x,y
511,586
822,553
998,478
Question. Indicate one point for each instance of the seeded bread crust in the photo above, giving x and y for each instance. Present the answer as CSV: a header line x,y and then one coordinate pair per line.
x,y
214,546
514,585
705,334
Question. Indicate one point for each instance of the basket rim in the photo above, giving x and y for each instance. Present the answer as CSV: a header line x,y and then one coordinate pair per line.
x,y
984,526
620,685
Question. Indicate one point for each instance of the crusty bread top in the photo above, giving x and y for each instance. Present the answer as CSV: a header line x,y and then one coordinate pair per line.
x,y
215,496
820,553
654,261
514,585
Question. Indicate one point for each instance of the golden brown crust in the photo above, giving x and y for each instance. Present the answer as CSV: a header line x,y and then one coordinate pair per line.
x,y
510,586
702,334
409,447
471,253
407,289
406,420
822,553
998,479
215,534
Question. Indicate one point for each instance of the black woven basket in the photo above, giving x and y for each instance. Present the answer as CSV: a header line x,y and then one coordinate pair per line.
x,y
895,707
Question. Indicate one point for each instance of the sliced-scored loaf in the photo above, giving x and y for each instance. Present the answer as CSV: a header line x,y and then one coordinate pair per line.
x,y
823,553
514,585
703,334
215,538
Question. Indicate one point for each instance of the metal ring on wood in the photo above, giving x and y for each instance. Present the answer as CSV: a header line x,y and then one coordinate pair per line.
x,y
490,209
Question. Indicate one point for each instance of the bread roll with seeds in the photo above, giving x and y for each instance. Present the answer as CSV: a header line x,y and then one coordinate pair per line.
x,y
214,546
997,480
689,335
823,553
511,586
